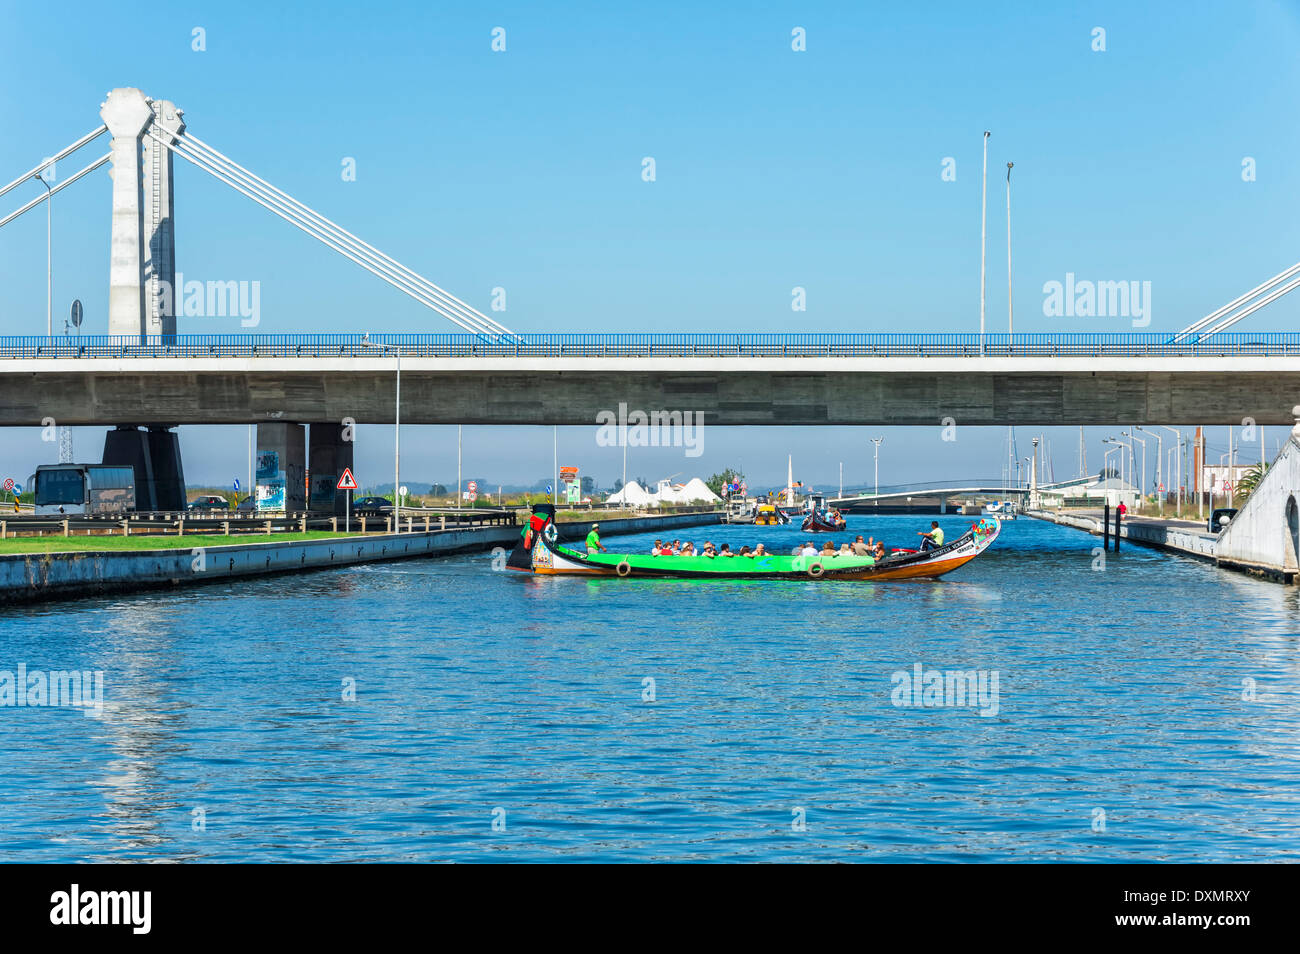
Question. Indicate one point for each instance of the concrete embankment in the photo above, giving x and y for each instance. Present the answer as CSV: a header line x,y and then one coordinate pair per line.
x,y
1161,534
43,576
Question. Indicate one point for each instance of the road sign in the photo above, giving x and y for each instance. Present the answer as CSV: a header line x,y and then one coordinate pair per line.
x,y
472,496
236,485
347,481
9,484
402,490
548,488
76,313
18,488
473,486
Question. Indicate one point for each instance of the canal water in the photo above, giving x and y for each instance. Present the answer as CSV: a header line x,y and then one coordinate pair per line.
x,y
1145,709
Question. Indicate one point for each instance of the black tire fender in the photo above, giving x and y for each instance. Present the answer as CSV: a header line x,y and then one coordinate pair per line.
x,y
624,568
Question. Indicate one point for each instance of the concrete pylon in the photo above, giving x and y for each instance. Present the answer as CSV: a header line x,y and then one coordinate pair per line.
x,y
127,113
158,269
329,453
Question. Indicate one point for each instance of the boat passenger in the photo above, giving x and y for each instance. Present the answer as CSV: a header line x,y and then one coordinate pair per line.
x,y
658,550
860,548
759,551
725,550
593,540
879,552
808,549
846,550
744,550
933,539
708,550
688,549
828,548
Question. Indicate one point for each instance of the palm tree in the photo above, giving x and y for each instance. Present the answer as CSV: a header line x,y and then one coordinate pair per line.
x,y
1248,481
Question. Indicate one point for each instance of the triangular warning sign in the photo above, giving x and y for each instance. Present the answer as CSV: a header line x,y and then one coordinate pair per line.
x,y
347,481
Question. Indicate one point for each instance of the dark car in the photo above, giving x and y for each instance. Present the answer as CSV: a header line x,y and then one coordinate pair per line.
x,y
209,502
1220,517
247,505
372,507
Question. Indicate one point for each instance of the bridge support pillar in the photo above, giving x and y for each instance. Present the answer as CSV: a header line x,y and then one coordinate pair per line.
x,y
155,454
330,453
281,466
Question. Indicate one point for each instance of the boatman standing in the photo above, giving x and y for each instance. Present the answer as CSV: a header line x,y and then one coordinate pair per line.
x,y
593,540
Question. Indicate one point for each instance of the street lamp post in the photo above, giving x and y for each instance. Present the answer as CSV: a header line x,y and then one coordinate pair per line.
x,y
1160,456
1010,312
397,431
877,441
1178,446
49,256
1142,474
984,209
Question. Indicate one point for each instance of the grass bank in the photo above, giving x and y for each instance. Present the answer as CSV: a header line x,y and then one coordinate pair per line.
x,y
140,542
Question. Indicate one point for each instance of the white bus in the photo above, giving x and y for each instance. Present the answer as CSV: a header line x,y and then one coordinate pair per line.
x,y
84,488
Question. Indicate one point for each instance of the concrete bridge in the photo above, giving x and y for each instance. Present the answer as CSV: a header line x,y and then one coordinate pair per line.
x,y
145,375
728,379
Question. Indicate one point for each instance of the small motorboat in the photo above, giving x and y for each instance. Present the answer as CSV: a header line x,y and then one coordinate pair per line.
x,y
540,551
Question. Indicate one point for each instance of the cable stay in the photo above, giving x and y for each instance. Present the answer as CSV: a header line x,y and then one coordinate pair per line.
x,y
333,235
49,193
1223,318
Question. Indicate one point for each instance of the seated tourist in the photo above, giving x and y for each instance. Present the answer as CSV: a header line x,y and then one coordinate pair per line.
x,y
860,548
725,550
931,539
808,549
744,551
658,548
828,548
879,552
845,550
759,551
708,550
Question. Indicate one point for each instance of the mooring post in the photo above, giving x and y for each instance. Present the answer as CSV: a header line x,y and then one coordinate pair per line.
x,y
1118,517
1105,527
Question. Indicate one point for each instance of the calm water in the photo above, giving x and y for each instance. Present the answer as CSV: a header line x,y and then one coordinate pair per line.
x,y
1119,691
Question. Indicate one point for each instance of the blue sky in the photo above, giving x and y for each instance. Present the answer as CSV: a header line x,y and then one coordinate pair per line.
x,y
775,169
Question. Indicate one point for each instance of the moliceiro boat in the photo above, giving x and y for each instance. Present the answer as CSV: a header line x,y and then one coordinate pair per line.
x,y
539,550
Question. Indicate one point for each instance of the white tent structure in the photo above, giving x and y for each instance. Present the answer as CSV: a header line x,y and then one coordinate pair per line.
x,y
697,489
632,493
665,493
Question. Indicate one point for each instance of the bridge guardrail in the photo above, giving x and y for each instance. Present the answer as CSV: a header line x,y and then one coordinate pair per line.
x,y
643,345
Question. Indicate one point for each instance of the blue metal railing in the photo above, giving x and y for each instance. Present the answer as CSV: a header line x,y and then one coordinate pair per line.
x,y
654,345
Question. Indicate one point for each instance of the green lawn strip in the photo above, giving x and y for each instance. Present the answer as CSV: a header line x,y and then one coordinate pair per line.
x,y
62,544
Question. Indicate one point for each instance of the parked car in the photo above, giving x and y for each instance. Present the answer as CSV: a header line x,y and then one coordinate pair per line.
x,y
372,507
1220,517
209,502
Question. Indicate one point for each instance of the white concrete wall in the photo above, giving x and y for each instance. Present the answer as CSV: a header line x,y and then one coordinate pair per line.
x,y
1259,535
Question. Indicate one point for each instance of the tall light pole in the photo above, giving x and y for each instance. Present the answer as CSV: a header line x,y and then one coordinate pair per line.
x,y
1178,446
397,431
49,256
1142,474
459,493
1160,456
1010,311
877,441
984,209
